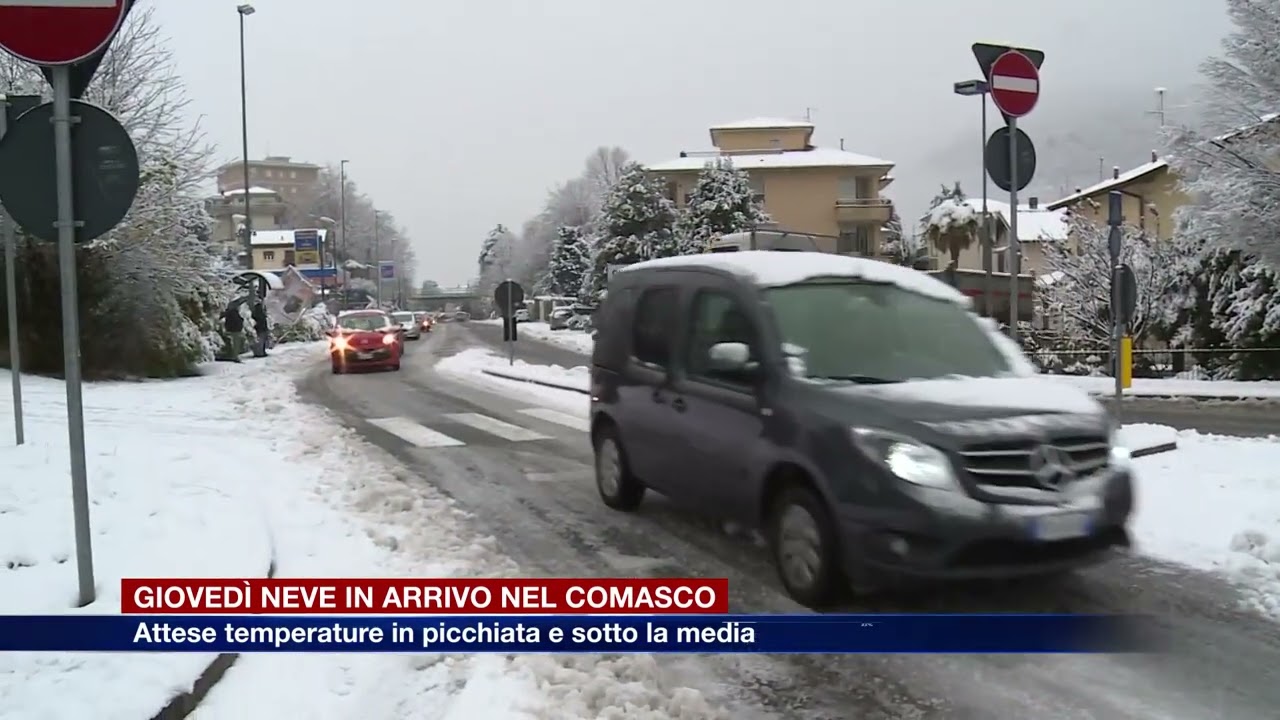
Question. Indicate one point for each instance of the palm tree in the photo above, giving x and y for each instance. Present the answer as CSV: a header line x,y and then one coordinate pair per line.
x,y
952,227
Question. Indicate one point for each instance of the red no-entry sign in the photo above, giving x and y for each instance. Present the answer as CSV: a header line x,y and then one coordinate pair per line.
x,y
58,32
1015,84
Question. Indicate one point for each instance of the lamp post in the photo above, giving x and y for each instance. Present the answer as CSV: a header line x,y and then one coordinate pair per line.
x,y
342,236
245,11
969,88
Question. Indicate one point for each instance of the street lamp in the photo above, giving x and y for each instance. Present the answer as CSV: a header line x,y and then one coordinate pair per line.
x,y
245,11
970,88
342,236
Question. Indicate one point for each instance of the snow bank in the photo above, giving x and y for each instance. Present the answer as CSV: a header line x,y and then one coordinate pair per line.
x,y
1145,436
1214,504
471,365
170,497
348,509
1156,387
575,340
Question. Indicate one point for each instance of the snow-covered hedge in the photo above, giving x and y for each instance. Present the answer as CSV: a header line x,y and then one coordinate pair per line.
x,y
310,326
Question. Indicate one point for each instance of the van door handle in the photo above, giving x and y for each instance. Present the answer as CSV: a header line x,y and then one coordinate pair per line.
x,y
659,398
678,404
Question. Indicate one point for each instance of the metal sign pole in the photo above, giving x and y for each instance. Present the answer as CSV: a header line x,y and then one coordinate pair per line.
x,y
1013,228
511,319
71,329
988,281
11,302
11,297
1115,217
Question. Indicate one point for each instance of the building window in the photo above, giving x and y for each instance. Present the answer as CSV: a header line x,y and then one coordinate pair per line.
x,y
854,187
268,254
293,174
757,189
1001,262
854,241
687,198
673,190
289,258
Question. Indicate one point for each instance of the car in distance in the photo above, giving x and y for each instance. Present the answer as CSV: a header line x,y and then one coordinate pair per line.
x,y
425,321
560,317
858,413
522,315
411,328
364,340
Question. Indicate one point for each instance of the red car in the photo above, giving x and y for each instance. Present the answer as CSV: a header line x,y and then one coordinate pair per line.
x,y
364,339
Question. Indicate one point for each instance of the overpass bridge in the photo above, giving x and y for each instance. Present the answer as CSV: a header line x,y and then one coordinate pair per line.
x,y
465,300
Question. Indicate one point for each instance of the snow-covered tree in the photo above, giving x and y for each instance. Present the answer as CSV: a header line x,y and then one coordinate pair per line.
x,y
1229,169
898,247
952,227
721,202
569,262
636,223
151,290
494,263
1077,296
953,193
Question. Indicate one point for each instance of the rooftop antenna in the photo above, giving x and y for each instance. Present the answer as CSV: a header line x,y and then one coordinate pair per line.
x,y
808,114
1159,111
1102,172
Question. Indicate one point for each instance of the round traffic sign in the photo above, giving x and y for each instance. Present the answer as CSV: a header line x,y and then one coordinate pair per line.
x,y
58,32
104,172
507,296
1015,84
996,159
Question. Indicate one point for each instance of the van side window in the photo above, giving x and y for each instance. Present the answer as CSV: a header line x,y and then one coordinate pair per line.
x,y
718,318
651,329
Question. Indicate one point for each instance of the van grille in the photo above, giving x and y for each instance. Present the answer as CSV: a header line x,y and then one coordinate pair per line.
x,y
1011,464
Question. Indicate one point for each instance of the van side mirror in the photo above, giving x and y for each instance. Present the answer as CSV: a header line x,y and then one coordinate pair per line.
x,y
729,357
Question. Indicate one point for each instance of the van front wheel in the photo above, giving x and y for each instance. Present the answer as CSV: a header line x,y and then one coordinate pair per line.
x,y
805,548
619,488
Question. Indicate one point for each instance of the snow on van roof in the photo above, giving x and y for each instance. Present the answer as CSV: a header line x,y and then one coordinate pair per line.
x,y
770,268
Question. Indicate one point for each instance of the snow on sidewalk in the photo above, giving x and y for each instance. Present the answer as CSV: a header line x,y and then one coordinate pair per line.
x,y
575,340
168,499
1213,504
1173,387
348,509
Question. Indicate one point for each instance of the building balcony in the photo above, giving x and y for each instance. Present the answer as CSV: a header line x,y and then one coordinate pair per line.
x,y
863,210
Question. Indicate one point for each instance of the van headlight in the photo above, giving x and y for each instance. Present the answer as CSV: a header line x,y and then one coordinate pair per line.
x,y
1120,456
908,459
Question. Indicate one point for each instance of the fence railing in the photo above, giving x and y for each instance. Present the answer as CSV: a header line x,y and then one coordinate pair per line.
x,y
1183,363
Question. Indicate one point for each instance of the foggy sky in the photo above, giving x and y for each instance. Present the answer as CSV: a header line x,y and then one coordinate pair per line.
x,y
459,114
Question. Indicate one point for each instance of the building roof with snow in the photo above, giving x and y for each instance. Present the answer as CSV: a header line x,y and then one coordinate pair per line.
x,y
1115,182
255,190
810,158
1036,224
763,123
281,238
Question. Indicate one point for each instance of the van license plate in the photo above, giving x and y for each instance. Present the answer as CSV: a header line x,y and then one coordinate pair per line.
x,y
1062,526
365,355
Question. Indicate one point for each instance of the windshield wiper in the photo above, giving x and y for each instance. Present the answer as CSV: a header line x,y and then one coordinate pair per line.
x,y
861,379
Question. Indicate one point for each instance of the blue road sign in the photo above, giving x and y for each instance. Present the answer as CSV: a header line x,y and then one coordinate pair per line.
x,y
386,269
304,240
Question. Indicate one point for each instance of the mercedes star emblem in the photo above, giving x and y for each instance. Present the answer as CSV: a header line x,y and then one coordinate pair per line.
x,y
1051,467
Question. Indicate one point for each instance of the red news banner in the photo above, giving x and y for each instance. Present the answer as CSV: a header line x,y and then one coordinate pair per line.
x,y
436,596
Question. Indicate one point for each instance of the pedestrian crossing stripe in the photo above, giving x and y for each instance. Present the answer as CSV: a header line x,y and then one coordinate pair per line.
x,y
419,435
493,426
414,433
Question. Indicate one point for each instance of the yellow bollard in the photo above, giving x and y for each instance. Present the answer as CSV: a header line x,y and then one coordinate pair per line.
x,y
1126,362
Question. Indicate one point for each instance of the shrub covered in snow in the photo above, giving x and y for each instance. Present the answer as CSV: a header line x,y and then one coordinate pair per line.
x,y
570,262
310,326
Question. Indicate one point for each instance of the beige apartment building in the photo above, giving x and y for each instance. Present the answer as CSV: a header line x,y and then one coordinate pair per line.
x,y
280,173
828,192
273,249
267,209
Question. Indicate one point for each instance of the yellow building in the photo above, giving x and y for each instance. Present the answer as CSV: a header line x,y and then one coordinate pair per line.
x,y
1150,195
266,207
826,192
273,250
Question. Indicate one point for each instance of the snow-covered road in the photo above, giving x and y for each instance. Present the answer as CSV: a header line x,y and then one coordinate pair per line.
x,y
533,491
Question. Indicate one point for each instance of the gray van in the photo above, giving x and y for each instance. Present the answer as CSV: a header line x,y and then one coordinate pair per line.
x,y
858,413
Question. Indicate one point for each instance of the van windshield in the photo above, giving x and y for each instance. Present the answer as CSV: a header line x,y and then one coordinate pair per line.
x,y
874,332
